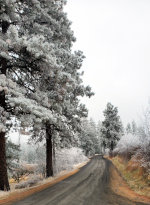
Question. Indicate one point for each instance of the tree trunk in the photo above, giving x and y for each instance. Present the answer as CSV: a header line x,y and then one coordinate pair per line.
x,y
54,157
112,146
111,149
4,184
49,152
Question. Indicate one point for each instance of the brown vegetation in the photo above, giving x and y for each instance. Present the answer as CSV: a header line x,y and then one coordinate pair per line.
x,y
132,180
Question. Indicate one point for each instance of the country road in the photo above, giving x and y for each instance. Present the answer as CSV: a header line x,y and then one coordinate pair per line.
x,y
90,186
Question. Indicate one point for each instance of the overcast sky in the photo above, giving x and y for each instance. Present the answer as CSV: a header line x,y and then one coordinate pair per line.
x,y
115,38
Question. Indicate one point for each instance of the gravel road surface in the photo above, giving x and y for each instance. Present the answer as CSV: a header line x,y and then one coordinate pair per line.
x,y
90,186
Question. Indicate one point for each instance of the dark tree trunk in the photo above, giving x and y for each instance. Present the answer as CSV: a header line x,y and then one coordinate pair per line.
x,y
112,146
49,152
5,25
4,184
111,149
54,154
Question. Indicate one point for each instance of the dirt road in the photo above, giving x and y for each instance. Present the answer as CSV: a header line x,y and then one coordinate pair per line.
x,y
90,186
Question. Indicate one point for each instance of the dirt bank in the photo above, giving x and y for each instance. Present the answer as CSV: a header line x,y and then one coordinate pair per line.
x,y
122,187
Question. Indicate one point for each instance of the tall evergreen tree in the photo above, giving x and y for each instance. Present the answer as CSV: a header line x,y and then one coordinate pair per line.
x,y
134,127
88,137
63,83
111,127
128,128
36,47
12,155
8,17
100,139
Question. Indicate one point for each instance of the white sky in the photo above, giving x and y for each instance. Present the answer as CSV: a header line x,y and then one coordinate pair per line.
x,y
115,38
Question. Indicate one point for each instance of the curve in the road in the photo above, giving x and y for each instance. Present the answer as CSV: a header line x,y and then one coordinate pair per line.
x,y
90,186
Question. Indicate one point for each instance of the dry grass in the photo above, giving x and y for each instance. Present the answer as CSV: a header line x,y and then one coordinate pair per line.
x,y
134,175
120,187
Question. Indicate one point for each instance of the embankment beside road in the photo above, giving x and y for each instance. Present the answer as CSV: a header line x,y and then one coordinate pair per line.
x,y
128,180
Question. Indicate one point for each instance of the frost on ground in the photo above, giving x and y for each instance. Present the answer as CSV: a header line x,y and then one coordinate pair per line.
x,y
66,160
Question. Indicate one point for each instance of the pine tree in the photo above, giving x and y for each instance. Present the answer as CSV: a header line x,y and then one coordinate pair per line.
x,y
63,83
128,128
134,127
20,57
100,139
88,137
7,18
111,127
12,155
43,79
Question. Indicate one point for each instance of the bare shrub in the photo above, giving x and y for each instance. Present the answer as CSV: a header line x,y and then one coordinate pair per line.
x,y
21,185
29,183
19,173
66,158
41,169
34,180
127,146
143,156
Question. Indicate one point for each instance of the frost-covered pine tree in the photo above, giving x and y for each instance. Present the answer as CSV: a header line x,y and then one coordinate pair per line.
x,y
100,139
12,155
33,59
43,77
132,128
89,141
18,75
8,17
57,84
128,128
111,127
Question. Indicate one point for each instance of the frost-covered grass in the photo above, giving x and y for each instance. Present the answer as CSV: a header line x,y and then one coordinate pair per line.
x,y
67,158
29,183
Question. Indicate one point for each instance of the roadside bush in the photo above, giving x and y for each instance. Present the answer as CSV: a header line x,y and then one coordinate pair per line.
x,y
41,169
135,147
19,173
21,185
29,183
127,146
34,180
66,158
143,156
